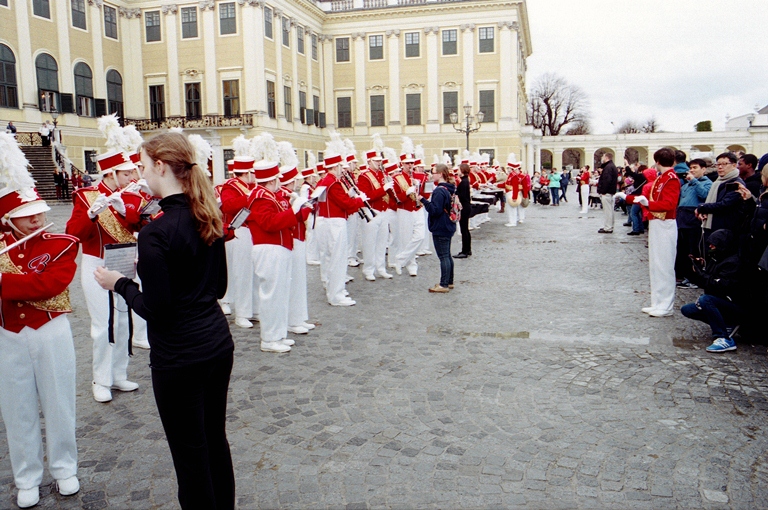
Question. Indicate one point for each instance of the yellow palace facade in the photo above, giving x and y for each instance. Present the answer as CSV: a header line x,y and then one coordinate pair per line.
x,y
295,68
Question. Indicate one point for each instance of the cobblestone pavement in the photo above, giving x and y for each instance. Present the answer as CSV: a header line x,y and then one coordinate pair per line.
x,y
536,383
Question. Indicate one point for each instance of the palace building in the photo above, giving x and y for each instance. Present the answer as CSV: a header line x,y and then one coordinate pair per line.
x,y
295,68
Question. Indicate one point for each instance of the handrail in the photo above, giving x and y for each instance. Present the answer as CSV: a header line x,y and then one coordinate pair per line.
x,y
29,139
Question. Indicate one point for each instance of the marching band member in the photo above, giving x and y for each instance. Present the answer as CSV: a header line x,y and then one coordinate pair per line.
x,y
391,169
311,179
410,219
234,197
517,187
425,191
38,352
354,226
376,232
332,225
103,215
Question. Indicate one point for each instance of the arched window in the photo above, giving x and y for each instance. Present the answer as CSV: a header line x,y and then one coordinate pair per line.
x,y
84,90
8,89
47,82
115,93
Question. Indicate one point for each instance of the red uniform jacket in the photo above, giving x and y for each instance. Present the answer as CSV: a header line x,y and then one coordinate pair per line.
x,y
407,202
109,227
338,204
662,198
36,277
517,183
270,222
371,183
234,197
300,232
422,178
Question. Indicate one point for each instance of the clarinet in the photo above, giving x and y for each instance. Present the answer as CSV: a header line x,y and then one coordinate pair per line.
x,y
350,183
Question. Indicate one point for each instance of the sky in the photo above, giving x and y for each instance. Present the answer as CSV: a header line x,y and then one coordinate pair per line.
x,y
679,61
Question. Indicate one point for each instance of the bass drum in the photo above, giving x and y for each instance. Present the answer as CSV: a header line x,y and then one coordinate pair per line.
x,y
514,203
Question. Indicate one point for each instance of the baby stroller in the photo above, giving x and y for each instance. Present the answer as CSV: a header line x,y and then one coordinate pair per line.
x,y
544,197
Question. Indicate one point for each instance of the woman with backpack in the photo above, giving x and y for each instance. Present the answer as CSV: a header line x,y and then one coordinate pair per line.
x,y
440,223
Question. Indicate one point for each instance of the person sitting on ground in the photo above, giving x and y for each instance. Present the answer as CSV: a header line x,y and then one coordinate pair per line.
x,y
720,305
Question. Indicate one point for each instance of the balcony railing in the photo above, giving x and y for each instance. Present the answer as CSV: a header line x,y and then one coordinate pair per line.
x,y
34,139
351,5
204,122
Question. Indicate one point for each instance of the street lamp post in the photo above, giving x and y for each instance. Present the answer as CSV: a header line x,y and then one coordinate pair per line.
x,y
471,125
55,117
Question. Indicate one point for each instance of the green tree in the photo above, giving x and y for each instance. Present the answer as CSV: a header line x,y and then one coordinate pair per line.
x,y
704,125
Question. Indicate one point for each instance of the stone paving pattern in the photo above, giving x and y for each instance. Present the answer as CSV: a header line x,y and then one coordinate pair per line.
x,y
536,383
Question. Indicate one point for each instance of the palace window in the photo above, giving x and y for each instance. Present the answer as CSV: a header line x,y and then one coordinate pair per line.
x,y
449,42
188,22
377,111
271,111
110,22
303,107
316,107
287,109
286,31
486,40
8,88
342,49
78,14
231,97
344,109
314,47
114,93
152,25
412,44
227,19
376,47
47,82
413,109
192,97
300,39
487,105
157,103
268,22
41,8
450,105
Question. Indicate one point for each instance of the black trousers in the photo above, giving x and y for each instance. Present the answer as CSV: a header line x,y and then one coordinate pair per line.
x,y
688,243
192,402
466,239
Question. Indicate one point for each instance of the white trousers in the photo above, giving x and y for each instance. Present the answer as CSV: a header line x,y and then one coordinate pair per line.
x,y
332,244
426,242
514,213
110,361
230,251
393,241
241,285
297,302
662,247
353,234
39,364
272,266
410,226
584,190
607,203
375,235
311,243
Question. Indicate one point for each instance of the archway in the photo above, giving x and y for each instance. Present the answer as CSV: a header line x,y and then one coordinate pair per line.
x,y
574,157
546,159
739,150
598,156
637,155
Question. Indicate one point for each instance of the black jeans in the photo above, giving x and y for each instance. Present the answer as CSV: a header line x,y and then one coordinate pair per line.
x,y
192,402
466,239
443,250
688,243
719,313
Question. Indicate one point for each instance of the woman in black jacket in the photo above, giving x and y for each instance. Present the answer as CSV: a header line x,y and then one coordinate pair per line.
x,y
465,198
182,264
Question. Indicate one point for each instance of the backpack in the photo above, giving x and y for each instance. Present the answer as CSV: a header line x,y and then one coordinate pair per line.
x,y
455,213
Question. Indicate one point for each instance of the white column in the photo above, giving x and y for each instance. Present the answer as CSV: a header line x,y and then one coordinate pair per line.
x,y
295,106
433,86
508,75
97,22
219,175
173,93
530,163
132,71
211,90
64,59
254,86
308,54
536,158
330,104
26,75
279,95
468,65
393,38
361,96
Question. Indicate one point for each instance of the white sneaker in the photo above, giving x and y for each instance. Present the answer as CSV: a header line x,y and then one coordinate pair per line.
x,y
349,279
101,393
243,323
370,278
28,497
275,347
660,313
288,342
141,345
345,302
647,309
353,263
313,262
385,275
522,221
125,386
510,225
413,272
398,269
225,308
298,330
68,486
308,325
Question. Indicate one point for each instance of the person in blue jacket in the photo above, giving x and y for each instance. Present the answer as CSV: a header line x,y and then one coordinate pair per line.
x,y
440,224
693,192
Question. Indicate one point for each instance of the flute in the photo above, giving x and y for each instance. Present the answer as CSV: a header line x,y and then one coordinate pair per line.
x,y
26,238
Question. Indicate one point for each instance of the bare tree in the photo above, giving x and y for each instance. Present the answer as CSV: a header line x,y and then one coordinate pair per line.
x,y
629,126
580,127
650,126
553,103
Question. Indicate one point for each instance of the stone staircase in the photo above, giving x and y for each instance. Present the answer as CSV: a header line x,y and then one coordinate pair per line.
x,y
41,161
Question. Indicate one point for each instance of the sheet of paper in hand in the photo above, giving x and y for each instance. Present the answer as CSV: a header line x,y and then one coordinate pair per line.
x,y
240,218
121,258
429,187
152,207
319,193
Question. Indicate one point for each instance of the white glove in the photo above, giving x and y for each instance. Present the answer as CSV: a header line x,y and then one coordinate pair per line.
x,y
293,196
99,205
143,186
388,185
642,200
411,190
363,196
621,196
297,203
116,201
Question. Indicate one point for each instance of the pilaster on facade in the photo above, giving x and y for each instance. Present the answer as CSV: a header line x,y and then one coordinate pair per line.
x,y
133,82
433,93
253,66
468,64
125,12
361,98
507,91
26,63
173,93
393,37
329,102
169,9
206,5
208,16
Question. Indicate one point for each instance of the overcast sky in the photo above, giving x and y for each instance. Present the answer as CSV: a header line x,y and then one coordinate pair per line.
x,y
680,61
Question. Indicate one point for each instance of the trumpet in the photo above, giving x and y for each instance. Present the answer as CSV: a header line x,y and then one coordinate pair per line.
x,y
367,212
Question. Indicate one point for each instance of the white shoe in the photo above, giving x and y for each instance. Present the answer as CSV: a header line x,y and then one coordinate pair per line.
x,y
308,325
225,308
243,323
510,225
288,342
298,330
349,279
125,386
647,309
101,393
370,278
313,262
661,313
28,497
353,263
141,345
413,272
522,221
68,486
398,269
278,346
385,275
345,302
